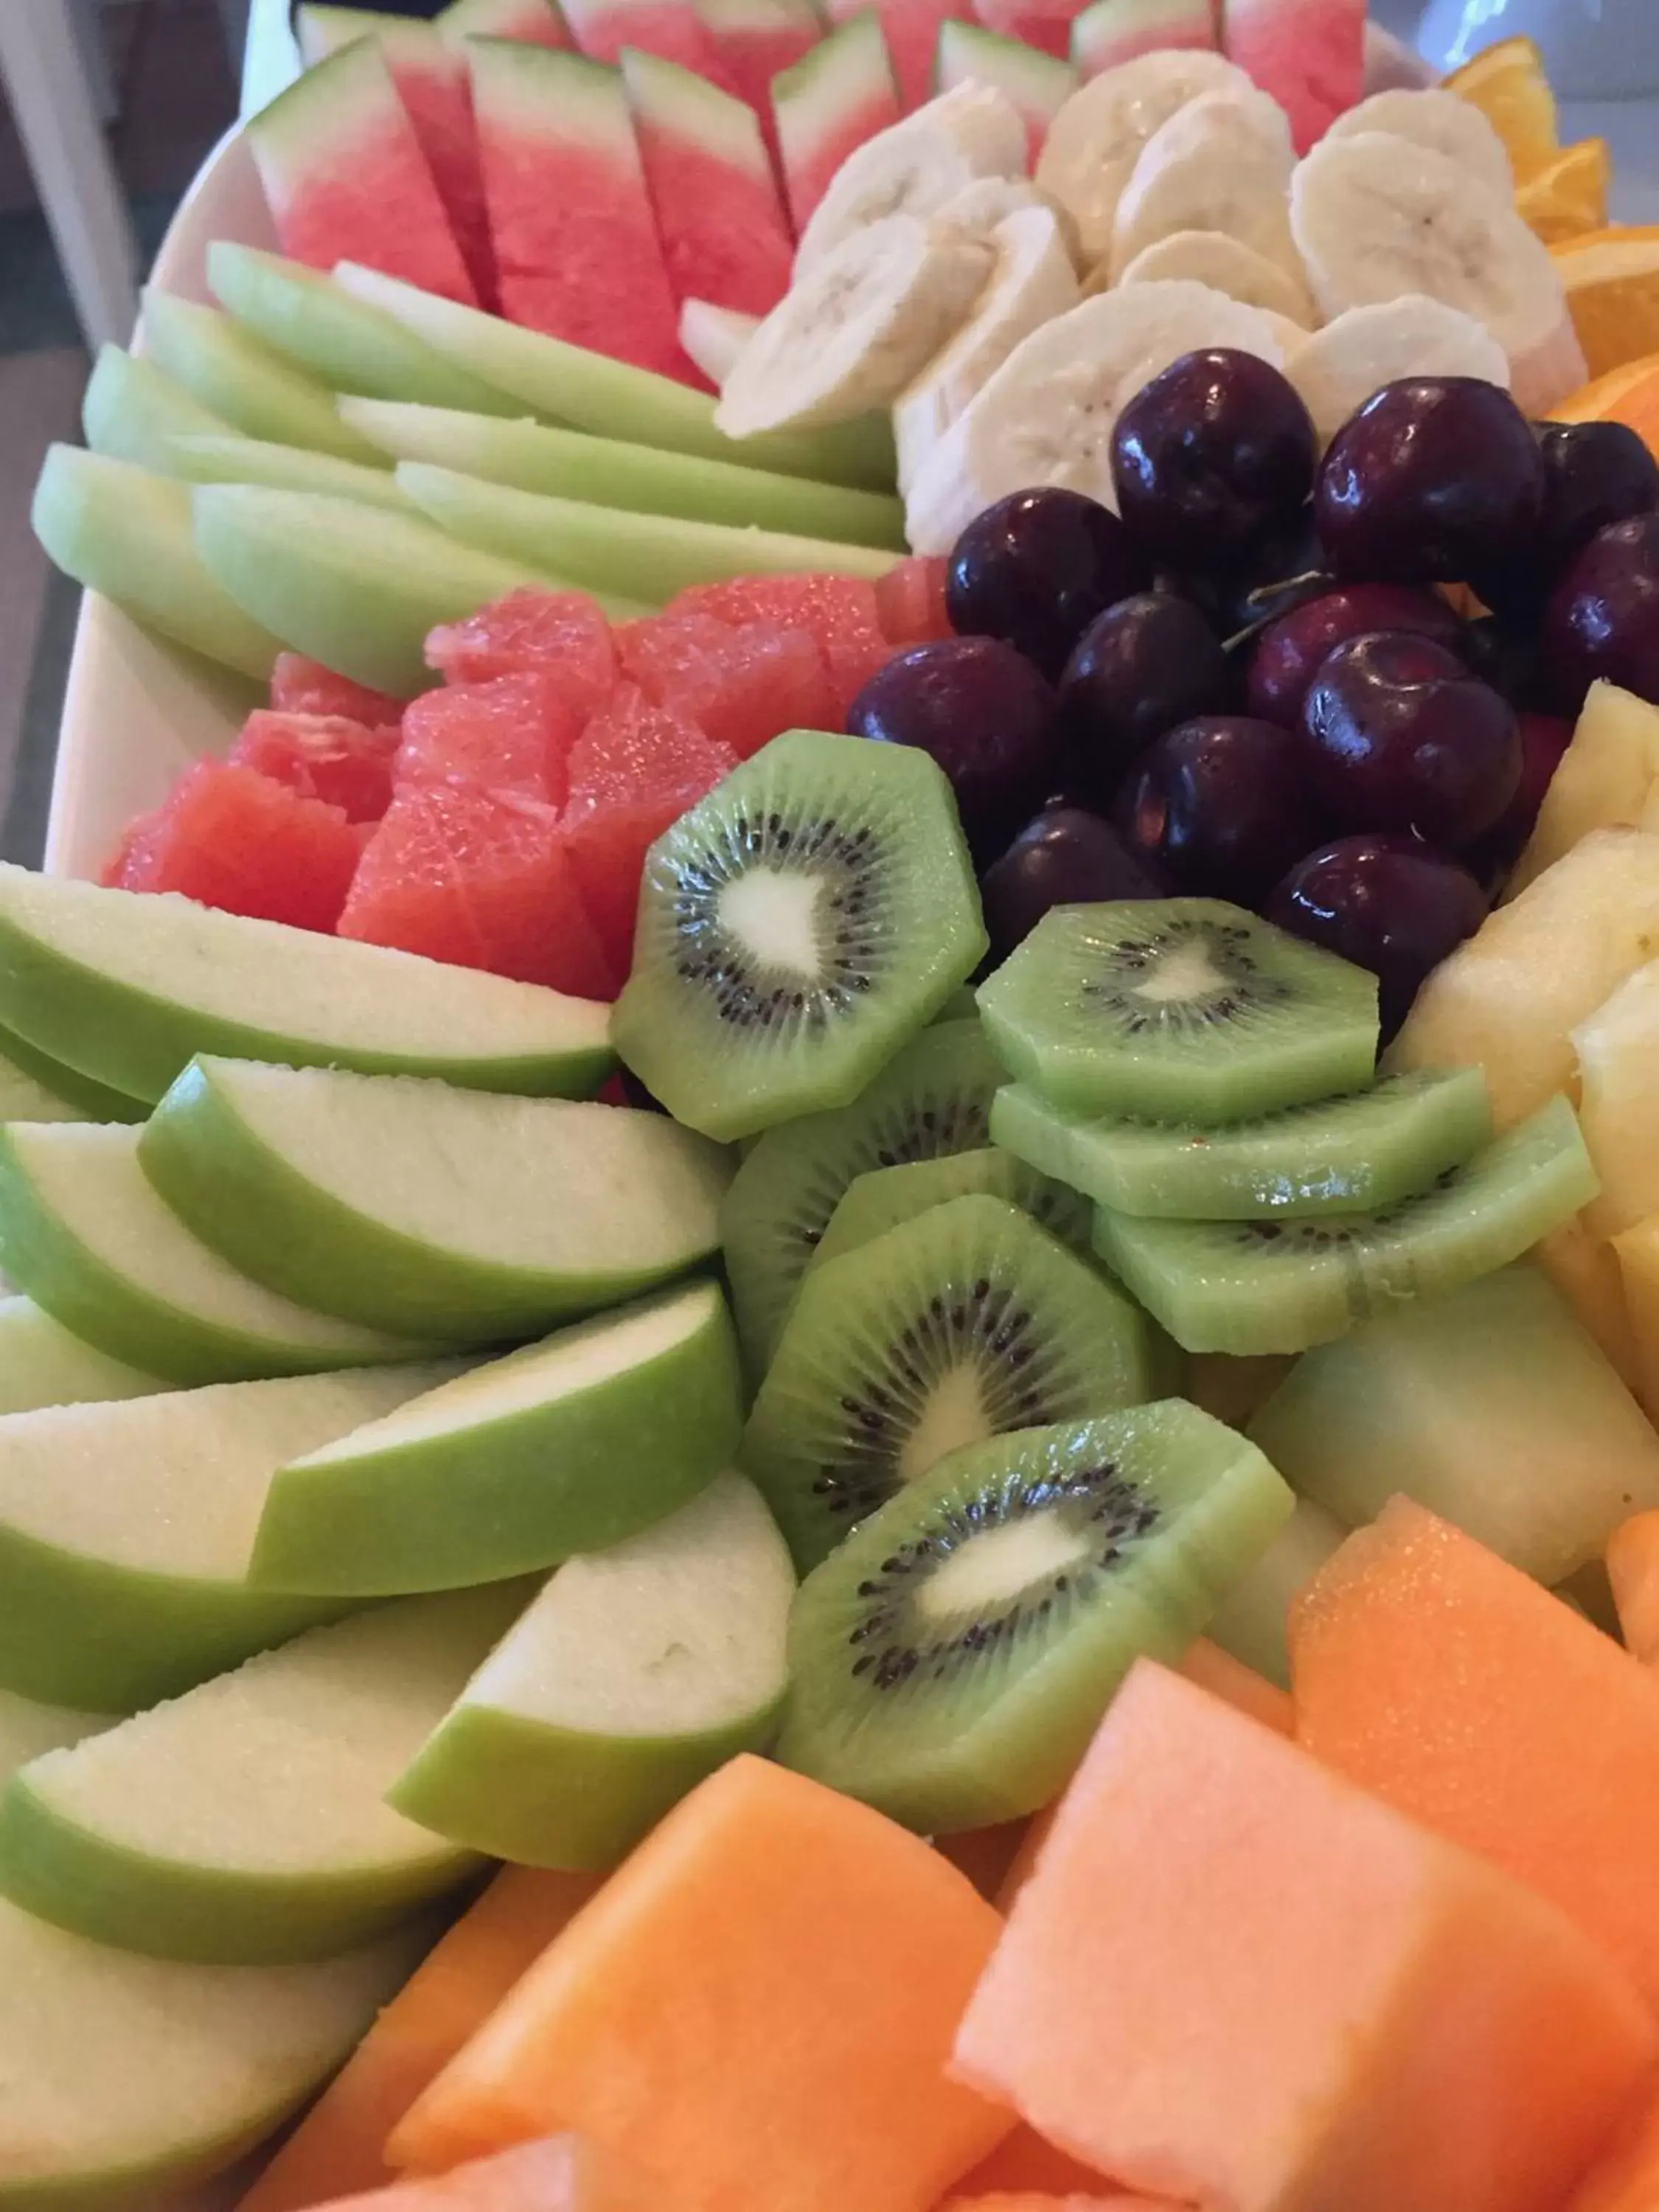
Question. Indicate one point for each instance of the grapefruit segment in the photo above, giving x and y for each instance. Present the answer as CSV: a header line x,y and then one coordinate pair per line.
x,y
322,757
910,600
1309,54
512,736
299,686
228,837
563,635
847,1948
840,94
742,685
840,612
1234,1979
1633,1570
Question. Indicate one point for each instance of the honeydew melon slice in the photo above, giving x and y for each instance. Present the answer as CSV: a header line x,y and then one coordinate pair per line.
x,y
287,467
644,479
83,1233
612,399
126,987
27,1729
128,2079
42,1364
126,1529
606,549
248,385
245,1823
637,1671
347,345
123,532
407,1205
570,1445
130,408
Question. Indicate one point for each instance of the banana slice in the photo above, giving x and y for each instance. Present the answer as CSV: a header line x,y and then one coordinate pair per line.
x,y
979,207
918,166
1441,121
713,337
1047,414
1032,283
1222,163
852,333
1095,137
1375,216
1337,369
1225,265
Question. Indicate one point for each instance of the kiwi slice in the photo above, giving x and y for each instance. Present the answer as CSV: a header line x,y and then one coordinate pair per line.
x,y
952,1328
1353,1155
1252,1287
932,1098
795,927
885,1197
1179,1010
950,1663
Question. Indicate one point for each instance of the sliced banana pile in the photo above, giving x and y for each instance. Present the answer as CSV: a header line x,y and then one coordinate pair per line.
x,y
1337,369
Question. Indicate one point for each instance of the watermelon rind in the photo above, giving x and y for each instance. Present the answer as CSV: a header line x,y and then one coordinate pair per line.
x,y
1037,83
679,100
643,479
322,31
847,71
124,532
610,399
540,22
198,457
1111,32
551,95
130,410
238,377
759,15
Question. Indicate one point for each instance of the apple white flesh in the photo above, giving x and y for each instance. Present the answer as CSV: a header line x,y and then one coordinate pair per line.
x,y
406,1205
128,2079
25,1096
223,459
130,408
42,1364
252,388
127,1527
84,1235
27,1729
127,986
635,1673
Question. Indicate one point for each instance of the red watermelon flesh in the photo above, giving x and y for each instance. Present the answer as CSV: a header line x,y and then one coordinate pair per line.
x,y
910,600
740,686
757,38
824,108
724,234
1309,54
563,635
671,28
635,769
576,248
299,686
840,612
1111,32
344,763
532,22
1045,25
512,736
1039,85
229,837
912,29
480,882
347,180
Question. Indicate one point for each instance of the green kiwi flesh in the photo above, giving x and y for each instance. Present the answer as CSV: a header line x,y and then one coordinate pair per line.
x,y
932,1098
1252,1287
885,1197
956,1326
1353,1155
949,1664
1178,1009
816,910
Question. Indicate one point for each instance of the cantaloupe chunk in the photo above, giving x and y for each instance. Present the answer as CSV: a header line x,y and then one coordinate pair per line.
x,y
1225,1677
338,2149
561,2174
1027,2201
1235,1979
984,1855
756,2009
1625,2179
1633,1570
1023,2166
1445,1680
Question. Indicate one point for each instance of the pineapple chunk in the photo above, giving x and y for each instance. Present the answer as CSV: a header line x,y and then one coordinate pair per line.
x,y
1638,1263
1605,779
1587,1273
1509,998
1618,1050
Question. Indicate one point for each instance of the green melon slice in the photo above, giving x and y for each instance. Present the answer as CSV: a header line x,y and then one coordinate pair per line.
x,y
131,409
247,383
284,468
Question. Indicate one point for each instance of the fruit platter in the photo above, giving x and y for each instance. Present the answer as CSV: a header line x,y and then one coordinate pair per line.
x,y
829,1173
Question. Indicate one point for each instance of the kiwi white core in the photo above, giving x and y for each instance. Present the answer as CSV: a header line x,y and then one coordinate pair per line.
x,y
995,1566
774,915
1181,975
953,1415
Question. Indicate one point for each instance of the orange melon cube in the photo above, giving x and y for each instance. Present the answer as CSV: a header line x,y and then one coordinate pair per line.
x,y
1114,2201
1433,1673
984,1855
339,2148
562,2175
1633,1570
1234,1979
755,2010
1627,2177
1023,2166
1225,1677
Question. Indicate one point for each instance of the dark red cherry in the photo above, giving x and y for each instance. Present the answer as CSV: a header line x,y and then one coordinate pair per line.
x,y
1389,904
1035,568
1221,806
1144,666
1595,473
1602,620
1544,738
1064,856
1288,652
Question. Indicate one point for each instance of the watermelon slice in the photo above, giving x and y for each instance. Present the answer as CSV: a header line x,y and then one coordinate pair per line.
x,y
1114,31
346,764
480,882
724,235
228,837
1309,54
754,40
347,180
431,82
576,248
512,736
911,28
635,768
672,29
715,337
299,686
1038,84
910,601
560,634
531,22
839,611
1044,24
741,686
827,105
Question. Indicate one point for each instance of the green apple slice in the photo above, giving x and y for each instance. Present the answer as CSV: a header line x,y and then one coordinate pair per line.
x,y
405,1205
34,1087
568,1445
611,399
125,988
127,1529
42,1364
84,1235
28,1728
644,479
120,531
635,1673
131,409
127,2079
287,467
246,1824
347,345
250,387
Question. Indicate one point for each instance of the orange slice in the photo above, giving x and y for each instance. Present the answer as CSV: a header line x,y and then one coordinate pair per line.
x,y
1507,83
1611,282
1603,400
1569,195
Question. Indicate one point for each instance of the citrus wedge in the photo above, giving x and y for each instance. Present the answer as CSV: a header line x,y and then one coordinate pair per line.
x,y
1507,83
1611,278
1613,398
1569,195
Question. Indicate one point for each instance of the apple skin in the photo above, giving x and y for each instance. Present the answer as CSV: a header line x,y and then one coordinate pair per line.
x,y
64,1093
42,1364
